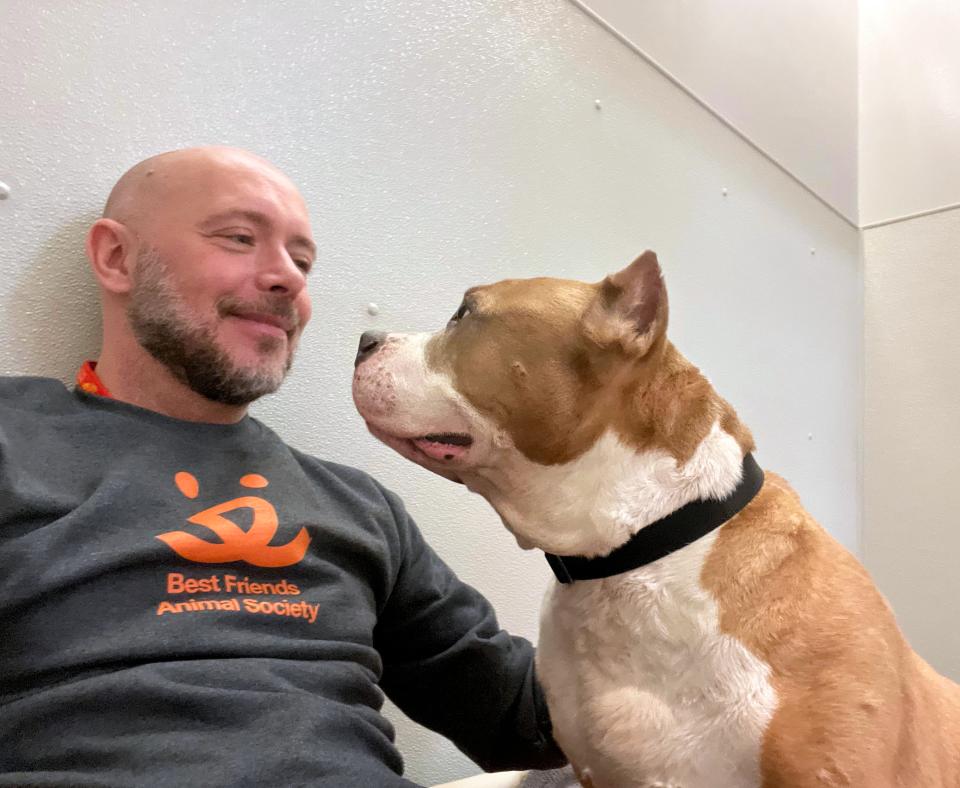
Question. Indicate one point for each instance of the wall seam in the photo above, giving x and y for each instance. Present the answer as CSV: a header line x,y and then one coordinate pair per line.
x,y
909,216
580,4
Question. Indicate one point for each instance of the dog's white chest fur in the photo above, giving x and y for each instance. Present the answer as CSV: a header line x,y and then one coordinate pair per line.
x,y
644,689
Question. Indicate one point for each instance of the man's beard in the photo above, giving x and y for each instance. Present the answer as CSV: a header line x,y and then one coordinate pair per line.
x,y
188,348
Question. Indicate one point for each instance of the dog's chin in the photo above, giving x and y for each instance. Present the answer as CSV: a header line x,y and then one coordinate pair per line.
x,y
408,448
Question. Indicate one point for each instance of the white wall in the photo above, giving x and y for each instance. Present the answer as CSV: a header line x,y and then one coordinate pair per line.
x,y
909,107
910,125
783,73
912,428
440,143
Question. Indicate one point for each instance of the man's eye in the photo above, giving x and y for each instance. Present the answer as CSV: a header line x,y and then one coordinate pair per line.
x,y
240,238
461,313
303,265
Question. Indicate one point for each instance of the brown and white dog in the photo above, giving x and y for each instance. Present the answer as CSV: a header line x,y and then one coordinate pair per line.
x,y
759,654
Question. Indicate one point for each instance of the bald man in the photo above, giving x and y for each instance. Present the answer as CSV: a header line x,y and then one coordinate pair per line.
x,y
188,601
202,258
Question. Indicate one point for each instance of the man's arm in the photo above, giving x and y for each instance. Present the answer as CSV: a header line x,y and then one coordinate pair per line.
x,y
449,666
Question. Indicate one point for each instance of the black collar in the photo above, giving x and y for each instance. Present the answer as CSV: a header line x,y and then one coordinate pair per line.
x,y
660,538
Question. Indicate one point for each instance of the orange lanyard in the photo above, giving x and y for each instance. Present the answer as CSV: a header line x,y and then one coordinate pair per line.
x,y
88,380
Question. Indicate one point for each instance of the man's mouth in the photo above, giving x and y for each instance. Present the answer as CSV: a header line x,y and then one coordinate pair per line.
x,y
286,325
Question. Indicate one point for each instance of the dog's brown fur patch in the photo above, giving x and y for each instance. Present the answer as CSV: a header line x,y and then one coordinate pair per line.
x,y
844,675
555,403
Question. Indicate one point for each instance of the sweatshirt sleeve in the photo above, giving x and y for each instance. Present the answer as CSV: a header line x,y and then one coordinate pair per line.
x,y
450,667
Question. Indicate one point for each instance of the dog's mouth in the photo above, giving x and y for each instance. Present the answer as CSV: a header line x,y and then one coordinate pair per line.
x,y
439,452
443,446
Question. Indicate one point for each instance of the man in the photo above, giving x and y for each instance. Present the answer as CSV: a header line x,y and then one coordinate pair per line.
x,y
185,599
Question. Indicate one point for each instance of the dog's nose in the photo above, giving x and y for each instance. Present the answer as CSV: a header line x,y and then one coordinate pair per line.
x,y
369,342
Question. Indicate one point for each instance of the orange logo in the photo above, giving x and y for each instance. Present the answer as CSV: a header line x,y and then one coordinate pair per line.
x,y
252,546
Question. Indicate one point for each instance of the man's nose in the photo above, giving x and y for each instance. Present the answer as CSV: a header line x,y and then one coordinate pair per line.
x,y
280,274
370,341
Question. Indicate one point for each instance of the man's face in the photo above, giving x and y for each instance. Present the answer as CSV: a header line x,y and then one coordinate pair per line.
x,y
220,292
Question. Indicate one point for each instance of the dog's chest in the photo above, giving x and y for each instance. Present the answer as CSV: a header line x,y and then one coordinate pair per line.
x,y
643,687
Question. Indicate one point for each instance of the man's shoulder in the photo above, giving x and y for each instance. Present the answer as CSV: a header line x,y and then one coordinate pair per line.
x,y
356,484
347,474
35,393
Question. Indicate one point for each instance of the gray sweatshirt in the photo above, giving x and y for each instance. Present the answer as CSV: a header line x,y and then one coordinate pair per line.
x,y
188,604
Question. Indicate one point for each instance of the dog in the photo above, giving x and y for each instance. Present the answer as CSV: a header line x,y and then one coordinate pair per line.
x,y
704,631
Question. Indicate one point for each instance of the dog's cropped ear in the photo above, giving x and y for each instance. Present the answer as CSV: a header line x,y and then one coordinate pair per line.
x,y
630,309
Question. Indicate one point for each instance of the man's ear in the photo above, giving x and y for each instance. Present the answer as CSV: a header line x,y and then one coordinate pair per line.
x,y
112,250
630,308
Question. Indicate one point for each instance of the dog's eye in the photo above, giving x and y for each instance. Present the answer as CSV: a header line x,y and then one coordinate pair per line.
x,y
461,313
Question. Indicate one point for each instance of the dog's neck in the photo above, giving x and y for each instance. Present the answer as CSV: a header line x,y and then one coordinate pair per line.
x,y
689,445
